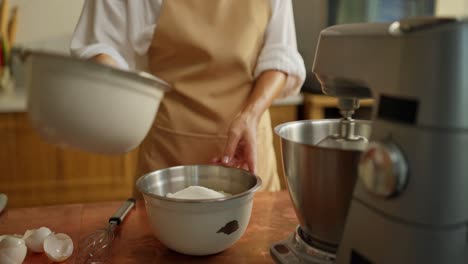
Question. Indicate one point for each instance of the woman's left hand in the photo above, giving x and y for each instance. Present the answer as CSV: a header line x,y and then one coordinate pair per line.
x,y
241,146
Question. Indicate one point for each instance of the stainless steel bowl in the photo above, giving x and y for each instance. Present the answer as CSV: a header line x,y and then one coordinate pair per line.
x,y
320,180
170,180
199,227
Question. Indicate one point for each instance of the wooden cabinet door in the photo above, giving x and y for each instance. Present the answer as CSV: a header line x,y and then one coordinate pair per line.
x,y
35,167
7,151
34,172
91,177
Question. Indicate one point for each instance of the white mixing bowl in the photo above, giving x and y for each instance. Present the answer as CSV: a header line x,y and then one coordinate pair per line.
x,y
199,227
89,106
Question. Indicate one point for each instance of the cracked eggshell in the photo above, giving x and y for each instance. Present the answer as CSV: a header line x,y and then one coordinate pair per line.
x,y
58,247
12,250
14,235
35,238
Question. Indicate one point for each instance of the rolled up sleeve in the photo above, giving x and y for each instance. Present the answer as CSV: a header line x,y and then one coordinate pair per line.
x,y
102,29
280,48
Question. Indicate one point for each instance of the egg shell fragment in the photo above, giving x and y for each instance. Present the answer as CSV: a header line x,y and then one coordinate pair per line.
x,y
58,247
35,238
12,250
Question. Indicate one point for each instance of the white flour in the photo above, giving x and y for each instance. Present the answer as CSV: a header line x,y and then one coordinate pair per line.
x,y
196,193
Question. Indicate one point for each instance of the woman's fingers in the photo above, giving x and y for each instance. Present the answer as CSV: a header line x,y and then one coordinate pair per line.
x,y
240,164
234,163
240,149
216,161
251,157
231,146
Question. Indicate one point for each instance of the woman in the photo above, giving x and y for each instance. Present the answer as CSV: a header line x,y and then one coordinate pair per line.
x,y
226,62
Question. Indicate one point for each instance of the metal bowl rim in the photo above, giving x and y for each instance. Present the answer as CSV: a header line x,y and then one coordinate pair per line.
x,y
279,127
164,198
316,121
138,76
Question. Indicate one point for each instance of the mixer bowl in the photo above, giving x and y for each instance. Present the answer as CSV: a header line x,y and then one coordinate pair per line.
x,y
320,180
199,227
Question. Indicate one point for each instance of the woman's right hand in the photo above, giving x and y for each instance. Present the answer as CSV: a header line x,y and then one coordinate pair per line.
x,y
105,59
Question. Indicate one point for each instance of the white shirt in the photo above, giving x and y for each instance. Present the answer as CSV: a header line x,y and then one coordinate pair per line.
x,y
123,29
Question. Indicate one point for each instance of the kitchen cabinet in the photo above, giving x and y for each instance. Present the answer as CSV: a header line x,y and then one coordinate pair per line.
x,y
33,172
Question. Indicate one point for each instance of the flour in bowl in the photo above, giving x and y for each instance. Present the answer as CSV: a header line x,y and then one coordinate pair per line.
x,y
197,192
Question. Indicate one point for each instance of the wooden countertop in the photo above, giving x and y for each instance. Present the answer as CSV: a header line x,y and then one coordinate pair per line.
x,y
273,219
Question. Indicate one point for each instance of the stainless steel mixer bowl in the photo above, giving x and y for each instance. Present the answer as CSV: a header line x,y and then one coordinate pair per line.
x,y
320,180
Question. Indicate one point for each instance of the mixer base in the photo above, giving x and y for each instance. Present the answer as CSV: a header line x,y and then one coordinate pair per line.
x,y
295,250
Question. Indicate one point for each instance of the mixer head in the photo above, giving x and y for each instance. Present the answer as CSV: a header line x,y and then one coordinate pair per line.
x,y
347,106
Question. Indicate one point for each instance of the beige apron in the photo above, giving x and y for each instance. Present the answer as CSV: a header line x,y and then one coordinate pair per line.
x,y
207,50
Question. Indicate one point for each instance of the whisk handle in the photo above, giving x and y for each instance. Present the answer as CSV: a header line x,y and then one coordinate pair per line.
x,y
120,214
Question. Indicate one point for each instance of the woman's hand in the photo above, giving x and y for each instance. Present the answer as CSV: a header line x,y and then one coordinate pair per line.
x,y
241,146
105,59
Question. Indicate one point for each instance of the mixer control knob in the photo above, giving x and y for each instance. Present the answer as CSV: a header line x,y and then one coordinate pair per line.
x,y
383,169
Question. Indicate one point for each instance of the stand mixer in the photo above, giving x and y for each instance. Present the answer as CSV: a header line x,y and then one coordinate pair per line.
x,y
410,202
